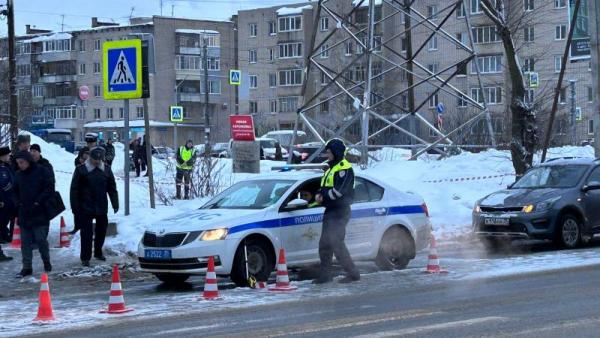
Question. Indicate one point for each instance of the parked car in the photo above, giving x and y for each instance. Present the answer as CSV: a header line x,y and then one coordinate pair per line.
x,y
221,150
558,200
269,146
284,137
260,215
164,153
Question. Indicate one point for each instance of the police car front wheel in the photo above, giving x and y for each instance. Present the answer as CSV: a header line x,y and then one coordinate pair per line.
x,y
261,262
394,250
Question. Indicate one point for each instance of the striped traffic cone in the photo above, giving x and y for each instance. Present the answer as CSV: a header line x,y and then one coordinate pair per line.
x,y
211,289
65,239
433,266
45,303
16,238
116,302
283,280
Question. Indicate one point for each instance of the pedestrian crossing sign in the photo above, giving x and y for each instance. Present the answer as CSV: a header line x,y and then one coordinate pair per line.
x,y
122,69
235,77
176,114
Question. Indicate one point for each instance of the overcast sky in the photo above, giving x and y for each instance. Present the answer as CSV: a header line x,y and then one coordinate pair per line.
x,y
48,14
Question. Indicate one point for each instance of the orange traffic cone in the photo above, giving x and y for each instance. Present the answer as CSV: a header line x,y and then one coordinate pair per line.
x,y
116,302
211,289
433,266
16,241
65,239
45,303
283,280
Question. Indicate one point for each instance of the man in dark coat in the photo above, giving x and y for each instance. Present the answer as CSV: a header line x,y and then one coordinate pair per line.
x,y
23,143
6,202
91,184
36,153
336,195
139,153
110,152
33,186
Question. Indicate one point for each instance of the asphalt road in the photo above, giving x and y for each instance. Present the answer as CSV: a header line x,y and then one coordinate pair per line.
x,y
551,304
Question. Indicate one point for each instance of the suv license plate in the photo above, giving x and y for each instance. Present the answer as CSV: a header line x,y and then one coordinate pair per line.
x,y
496,221
157,254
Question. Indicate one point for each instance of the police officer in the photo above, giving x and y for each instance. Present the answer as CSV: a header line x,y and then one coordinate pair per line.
x,y
186,157
91,140
336,195
6,203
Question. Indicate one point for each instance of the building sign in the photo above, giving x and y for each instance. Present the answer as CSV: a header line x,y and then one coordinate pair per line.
x,y
580,46
242,127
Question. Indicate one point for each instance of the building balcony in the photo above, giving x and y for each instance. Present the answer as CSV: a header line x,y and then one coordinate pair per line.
x,y
57,78
46,57
66,123
190,97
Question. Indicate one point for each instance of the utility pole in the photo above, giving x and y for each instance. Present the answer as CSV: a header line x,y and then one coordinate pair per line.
x,y
206,90
409,67
594,11
12,76
573,113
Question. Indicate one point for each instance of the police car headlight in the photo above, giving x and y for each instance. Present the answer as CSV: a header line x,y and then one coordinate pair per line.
x,y
213,235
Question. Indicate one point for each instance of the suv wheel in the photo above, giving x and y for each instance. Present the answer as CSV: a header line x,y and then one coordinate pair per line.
x,y
569,232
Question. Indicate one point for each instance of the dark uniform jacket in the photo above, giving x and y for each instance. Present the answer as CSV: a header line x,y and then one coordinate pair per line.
x,y
32,188
89,189
7,178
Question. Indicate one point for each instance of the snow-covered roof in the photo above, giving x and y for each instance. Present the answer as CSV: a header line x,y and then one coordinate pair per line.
x,y
292,10
99,28
133,124
195,31
366,3
56,130
285,132
53,36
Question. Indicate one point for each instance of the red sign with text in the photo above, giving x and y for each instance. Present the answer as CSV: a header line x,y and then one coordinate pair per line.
x,y
242,127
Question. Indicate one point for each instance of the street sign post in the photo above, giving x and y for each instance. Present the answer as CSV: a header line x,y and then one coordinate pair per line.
x,y
122,80
534,80
440,108
176,114
235,77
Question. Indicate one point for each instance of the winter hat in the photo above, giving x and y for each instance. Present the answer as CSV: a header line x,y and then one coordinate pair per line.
x,y
4,151
337,147
97,153
91,137
24,155
35,146
23,138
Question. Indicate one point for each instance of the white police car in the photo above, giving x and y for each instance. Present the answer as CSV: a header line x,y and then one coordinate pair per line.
x,y
256,217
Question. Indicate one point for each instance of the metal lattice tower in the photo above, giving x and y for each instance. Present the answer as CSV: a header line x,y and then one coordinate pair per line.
x,y
366,94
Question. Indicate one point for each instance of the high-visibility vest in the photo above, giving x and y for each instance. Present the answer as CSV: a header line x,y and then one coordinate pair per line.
x,y
327,180
186,155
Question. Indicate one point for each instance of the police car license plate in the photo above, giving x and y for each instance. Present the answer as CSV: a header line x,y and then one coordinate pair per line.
x,y
497,221
157,254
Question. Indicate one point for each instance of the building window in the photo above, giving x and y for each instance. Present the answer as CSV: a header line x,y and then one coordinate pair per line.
x,y
109,113
24,70
253,81
214,87
273,106
96,113
348,48
38,91
461,101
272,80
562,96
560,32
96,67
57,45
97,90
591,127
377,43
590,94
475,7
288,104
529,96
139,112
272,28
81,44
290,23
271,54
252,57
253,30
121,112
324,23
461,69
528,34
324,51
529,64
324,79
324,106
360,73
82,69
490,64
23,48
290,50
432,12
253,107
433,67
557,63
97,44
82,113
528,5
290,77
432,44
485,34
461,12
404,44
560,3
494,95
433,100
463,38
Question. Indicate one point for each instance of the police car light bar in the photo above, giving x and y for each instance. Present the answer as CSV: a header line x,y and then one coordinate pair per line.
x,y
290,167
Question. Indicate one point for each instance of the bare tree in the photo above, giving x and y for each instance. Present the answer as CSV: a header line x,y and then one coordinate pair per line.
x,y
523,120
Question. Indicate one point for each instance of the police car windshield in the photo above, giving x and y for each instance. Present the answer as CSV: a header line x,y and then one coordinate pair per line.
x,y
256,194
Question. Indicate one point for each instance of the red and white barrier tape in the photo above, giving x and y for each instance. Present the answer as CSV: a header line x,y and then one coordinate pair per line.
x,y
467,179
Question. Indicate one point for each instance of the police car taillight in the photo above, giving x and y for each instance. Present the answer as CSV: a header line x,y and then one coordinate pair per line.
x,y
425,209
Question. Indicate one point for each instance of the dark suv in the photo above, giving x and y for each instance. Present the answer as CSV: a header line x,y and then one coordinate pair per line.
x,y
557,200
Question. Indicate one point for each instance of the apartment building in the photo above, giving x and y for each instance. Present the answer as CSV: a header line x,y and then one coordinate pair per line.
x,y
52,67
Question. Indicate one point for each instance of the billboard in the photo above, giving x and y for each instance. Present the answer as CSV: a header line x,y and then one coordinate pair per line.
x,y
580,46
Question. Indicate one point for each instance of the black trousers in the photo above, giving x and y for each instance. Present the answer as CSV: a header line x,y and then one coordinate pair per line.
x,y
140,166
183,178
332,241
5,219
30,236
90,234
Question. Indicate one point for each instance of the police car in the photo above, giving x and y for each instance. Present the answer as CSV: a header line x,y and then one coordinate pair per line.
x,y
244,227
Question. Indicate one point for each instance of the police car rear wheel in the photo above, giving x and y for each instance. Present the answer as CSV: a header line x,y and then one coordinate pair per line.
x,y
260,263
172,278
394,250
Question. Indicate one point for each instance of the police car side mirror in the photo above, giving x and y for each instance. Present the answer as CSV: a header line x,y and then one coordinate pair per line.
x,y
296,204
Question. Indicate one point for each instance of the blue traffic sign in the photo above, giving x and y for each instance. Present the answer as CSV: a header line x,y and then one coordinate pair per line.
x,y
235,77
122,73
440,108
176,114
